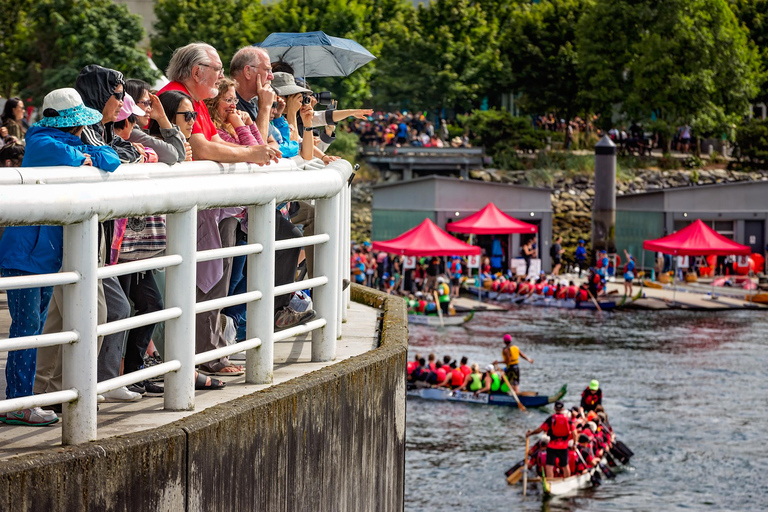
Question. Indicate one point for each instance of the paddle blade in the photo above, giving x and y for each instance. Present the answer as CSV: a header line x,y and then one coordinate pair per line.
x,y
515,476
514,468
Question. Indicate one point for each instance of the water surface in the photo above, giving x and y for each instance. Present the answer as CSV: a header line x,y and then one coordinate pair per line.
x,y
685,391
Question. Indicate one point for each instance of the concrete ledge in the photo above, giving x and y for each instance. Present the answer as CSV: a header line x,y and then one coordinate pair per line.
x,y
331,440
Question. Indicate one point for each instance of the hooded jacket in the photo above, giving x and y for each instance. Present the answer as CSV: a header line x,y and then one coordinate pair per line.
x,y
38,249
96,85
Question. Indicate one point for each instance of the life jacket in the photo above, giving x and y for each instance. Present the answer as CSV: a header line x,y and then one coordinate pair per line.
x,y
514,355
511,286
495,382
559,426
541,459
466,370
524,288
422,306
457,377
440,375
476,383
504,388
573,458
591,399
571,293
562,293
583,295
432,366
538,288
495,286
411,366
456,268
550,292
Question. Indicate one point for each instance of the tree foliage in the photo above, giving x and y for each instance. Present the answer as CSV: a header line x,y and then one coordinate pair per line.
x,y
539,45
60,37
677,61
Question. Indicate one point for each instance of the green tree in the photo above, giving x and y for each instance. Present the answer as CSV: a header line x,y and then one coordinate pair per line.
x,y
539,48
678,61
753,14
57,46
227,25
14,31
448,57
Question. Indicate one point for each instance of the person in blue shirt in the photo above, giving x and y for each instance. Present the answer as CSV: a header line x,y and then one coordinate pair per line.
x,y
629,273
581,256
28,250
602,264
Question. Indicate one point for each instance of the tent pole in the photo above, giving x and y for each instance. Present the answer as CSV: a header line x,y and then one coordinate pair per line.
x,y
674,282
642,281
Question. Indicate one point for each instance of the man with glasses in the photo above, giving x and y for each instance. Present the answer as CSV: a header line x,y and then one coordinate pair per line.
x,y
252,69
194,70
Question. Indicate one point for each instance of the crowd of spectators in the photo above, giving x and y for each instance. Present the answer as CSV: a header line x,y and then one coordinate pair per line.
x,y
398,129
105,121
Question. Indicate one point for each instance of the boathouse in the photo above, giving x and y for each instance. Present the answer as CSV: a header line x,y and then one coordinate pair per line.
x,y
737,211
399,206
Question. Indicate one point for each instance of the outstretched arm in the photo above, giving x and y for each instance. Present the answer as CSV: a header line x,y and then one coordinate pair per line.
x,y
529,359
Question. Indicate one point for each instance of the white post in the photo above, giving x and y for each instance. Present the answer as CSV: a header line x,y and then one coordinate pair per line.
x,y
343,249
81,253
325,298
260,323
345,241
180,292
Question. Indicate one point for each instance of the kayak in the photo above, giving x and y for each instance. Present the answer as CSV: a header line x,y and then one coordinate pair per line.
x,y
449,395
434,320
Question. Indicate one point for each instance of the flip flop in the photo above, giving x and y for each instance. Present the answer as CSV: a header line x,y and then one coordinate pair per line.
x,y
201,383
221,373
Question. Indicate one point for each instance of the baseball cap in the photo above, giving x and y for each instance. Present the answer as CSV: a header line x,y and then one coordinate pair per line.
x,y
129,107
507,338
594,385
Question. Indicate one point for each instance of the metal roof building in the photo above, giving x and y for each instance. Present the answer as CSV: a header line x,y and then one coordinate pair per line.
x,y
401,205
735,210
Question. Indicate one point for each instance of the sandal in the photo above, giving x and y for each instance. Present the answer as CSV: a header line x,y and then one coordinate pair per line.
x,y
225,371
202,382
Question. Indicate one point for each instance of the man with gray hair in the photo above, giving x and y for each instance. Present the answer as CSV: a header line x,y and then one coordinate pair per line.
x,y
194,70
252,70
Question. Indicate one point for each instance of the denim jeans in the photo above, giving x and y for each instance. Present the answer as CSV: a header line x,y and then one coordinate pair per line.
x,y
28,308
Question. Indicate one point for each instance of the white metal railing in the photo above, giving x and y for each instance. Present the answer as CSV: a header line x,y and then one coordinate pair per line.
x,y
79,198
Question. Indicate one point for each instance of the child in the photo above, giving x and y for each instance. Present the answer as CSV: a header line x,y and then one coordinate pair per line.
x,y
25,250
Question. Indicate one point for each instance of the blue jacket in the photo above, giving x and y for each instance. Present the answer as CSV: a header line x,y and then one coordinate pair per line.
x,y
38,249
288,147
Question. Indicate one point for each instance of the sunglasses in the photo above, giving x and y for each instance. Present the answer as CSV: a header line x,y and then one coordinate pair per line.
x,y
119,95
146,104
188,115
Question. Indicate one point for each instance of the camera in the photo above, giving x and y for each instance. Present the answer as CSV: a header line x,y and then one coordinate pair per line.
x,y
274,105
323,98
306,98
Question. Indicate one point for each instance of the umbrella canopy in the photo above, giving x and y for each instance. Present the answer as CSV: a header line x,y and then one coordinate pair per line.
x,y
426,239
696,239
491,221
316,54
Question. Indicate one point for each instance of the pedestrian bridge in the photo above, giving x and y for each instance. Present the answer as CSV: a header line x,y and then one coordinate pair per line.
x,y
317,421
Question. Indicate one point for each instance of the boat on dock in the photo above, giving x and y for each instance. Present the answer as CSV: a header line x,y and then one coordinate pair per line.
x,y
451,395
435,321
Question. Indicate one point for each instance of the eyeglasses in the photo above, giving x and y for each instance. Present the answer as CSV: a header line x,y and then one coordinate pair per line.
x,y
229,101
146,104
188,115
119,95
216,69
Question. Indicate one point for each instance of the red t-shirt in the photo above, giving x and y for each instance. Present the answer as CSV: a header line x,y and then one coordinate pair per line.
x,y
203,123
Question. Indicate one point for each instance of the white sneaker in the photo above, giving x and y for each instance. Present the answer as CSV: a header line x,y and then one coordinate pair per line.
x,y
121,395
34,417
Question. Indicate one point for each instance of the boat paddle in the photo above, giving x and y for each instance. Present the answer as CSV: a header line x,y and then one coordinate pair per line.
x,y
594,301
525,467
513,394
439,310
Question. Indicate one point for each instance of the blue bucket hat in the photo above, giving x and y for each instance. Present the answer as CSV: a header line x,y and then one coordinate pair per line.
x,y
64,108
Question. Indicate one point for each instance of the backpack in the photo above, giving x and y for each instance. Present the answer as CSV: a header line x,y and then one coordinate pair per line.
x,y
552,252
559,426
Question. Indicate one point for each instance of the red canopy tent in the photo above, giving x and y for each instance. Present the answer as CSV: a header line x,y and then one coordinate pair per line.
x,y
491,221
697,239
426,239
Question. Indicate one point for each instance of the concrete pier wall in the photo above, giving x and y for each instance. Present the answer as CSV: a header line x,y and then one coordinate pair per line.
x,y
331,440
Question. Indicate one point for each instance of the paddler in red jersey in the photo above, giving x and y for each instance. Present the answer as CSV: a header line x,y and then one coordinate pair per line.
x,y
412,365
559,429
511,355
571,290
591,397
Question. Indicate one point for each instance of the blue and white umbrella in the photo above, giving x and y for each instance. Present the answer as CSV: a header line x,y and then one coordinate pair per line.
x,y
316,54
